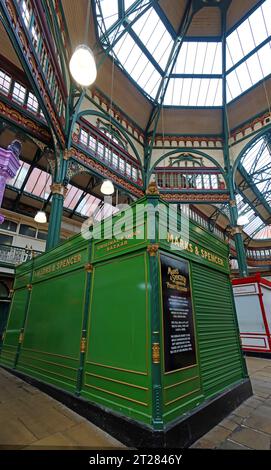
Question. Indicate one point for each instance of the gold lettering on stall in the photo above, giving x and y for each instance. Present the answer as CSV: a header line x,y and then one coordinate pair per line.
x,y
195,249
64,263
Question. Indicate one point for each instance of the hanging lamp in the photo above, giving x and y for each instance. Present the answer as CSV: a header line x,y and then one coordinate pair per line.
x,y
242,220
107,188
82,64
41,217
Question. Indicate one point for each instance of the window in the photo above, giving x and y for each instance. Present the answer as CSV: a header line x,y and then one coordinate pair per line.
x,y
92,143
26,12
100,149
134,174
107,154
128,169
115,160
9,225
6,240
19,92
19,179
32,102
5,81
35,35
83,137
42,235
27,230
121,164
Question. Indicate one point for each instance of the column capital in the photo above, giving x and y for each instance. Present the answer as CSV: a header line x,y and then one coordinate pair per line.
x,y
152,189
232,202
236,229
153,249
67,154
59,188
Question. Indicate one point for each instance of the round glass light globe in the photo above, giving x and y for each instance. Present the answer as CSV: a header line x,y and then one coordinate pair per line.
x,y
107,188
82,66
242,220
40,217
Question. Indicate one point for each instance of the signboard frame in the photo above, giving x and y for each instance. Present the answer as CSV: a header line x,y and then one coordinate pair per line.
x,y
180,362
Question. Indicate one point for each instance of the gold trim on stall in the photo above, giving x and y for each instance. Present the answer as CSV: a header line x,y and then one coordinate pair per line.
x,y
117,381
117,395
183,396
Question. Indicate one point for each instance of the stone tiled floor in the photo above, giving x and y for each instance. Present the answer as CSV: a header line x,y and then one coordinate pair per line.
x,y
29,419
249,426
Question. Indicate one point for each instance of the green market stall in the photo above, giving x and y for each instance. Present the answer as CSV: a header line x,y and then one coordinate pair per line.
x,y
138,334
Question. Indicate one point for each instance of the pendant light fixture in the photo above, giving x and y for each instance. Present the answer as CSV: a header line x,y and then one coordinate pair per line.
x,y
41,217
82,64
242,220
107,188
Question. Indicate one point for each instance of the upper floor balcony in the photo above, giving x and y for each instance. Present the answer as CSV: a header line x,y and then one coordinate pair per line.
x,y
11,256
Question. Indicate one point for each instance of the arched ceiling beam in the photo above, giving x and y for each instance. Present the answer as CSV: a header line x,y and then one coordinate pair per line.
x,y
260,195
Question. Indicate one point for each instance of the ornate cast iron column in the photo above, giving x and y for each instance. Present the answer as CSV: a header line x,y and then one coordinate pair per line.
x,y
58,195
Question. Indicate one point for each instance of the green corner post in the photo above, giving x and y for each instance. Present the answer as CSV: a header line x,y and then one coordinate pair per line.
x,y
21,336
83,345
153,251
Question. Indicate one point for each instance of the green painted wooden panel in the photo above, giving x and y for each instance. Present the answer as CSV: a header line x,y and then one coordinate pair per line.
x,y
14,325
51,345
23,275
117,372
221,360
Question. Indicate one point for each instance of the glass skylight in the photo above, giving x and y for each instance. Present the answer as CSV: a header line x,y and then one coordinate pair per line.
x,y
39,183
264,233
19,179
196,77
154,35
250,34
109,12
87,205
250,72
199,58
194,92
137,65
255,222
257,164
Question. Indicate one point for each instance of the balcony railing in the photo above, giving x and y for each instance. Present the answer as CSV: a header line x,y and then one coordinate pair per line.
x,y
109,152
13,255
259,254
187,178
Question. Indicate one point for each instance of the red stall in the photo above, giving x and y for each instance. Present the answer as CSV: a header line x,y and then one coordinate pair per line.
x,y
252,297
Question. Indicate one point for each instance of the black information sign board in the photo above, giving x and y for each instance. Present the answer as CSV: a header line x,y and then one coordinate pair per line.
x,y
179,334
